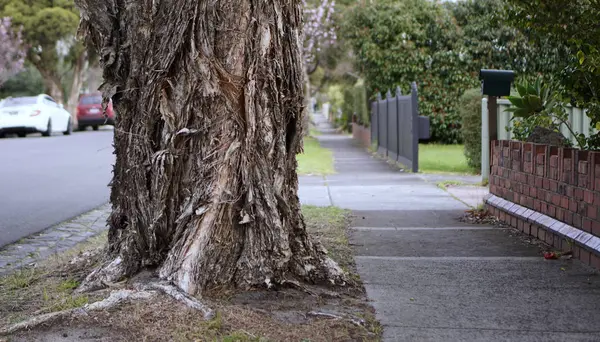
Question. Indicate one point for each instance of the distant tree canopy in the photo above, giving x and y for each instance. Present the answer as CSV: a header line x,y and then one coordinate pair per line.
x,y
442,47
574,25
49,26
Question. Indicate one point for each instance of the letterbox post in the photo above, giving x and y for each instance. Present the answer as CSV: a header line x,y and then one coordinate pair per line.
x,y
494,83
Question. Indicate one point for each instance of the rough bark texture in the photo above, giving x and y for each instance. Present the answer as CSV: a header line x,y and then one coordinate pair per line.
x,y
210,103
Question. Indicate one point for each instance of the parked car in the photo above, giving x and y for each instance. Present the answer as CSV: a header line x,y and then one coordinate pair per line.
x,y
32,114
89,112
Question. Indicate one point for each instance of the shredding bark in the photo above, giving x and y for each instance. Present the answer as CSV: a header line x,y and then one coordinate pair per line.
x,y
209,100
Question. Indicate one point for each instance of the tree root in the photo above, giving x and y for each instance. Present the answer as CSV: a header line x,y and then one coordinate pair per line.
x,y
354,320
115,298
182,297
313,291
142,291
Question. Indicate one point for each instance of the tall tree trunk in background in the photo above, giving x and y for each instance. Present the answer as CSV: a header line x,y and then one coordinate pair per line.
x,y
52,85
210,102
307,106
78,77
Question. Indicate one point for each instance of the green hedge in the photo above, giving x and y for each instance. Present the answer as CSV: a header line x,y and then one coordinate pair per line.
x,y
470,112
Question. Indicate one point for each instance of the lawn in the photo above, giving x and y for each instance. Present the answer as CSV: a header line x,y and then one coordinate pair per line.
x,y
315,160
435,158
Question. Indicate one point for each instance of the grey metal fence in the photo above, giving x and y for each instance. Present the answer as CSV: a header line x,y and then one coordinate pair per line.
x,y
396,127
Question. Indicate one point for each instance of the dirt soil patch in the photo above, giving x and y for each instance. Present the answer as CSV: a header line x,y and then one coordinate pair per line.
x,y
288,314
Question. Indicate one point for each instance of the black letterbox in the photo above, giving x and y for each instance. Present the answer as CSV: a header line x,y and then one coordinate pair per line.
x,y
496,82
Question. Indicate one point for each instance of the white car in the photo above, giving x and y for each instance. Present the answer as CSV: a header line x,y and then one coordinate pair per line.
x,y
33,114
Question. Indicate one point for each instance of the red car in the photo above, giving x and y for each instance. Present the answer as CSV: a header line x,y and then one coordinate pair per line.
x,y
89,112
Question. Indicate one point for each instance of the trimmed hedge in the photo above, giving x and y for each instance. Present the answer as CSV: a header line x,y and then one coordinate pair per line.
x,y
470,112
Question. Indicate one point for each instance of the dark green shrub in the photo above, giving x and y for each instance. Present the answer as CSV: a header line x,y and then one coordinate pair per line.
x,y
470,112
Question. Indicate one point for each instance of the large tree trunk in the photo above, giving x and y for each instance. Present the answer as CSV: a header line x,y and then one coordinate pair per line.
x,y
210,103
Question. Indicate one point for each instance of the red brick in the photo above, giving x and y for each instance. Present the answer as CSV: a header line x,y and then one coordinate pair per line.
x,y
569,191
597,184
567,164
520,225
573,205
513,221
592,212
533,191
556,199
597,169
588,196
541,234
583,167
568,219
544,208
560,214
595,261
539,181
596,228
564,202
587,224
578,194
553,161
584,256
534,230
546,183
553,186
550,238
552,211
527,228
577,221
537,205
540,159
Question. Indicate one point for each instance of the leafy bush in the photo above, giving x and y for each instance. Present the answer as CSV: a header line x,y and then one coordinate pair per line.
x,y
538,104
470,113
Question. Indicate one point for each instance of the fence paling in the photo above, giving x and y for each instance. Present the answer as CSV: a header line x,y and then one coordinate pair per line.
x,y
395,127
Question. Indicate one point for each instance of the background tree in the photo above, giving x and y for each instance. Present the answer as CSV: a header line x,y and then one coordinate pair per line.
x,y
210,110
574,25
12,50
396,43
49,28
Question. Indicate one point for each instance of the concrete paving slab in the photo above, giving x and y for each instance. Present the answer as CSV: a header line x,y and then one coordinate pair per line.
x,y
471,195
439,243
532,294
422,334
317,195
439,279
408,218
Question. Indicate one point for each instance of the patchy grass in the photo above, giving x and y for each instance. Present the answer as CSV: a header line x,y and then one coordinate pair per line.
x,y
315,160
446,184
256,316
49,286
435,158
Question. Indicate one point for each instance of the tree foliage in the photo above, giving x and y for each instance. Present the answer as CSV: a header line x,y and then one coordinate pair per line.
x,y
49,28
414,40
573,25
12,50
442,47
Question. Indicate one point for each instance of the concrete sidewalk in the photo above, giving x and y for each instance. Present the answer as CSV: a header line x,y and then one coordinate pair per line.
x,y
433,278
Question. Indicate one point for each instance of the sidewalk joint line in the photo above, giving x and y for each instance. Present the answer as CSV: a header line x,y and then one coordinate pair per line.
x,y
449,258
423,228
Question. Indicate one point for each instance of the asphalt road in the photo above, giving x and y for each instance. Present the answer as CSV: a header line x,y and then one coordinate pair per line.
x,y
44,181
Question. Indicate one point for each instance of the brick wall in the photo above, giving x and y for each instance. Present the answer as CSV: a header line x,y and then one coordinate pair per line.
x,y
361,134
561,183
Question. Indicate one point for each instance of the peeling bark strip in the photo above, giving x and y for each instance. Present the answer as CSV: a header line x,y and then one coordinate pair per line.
x,y
210,103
